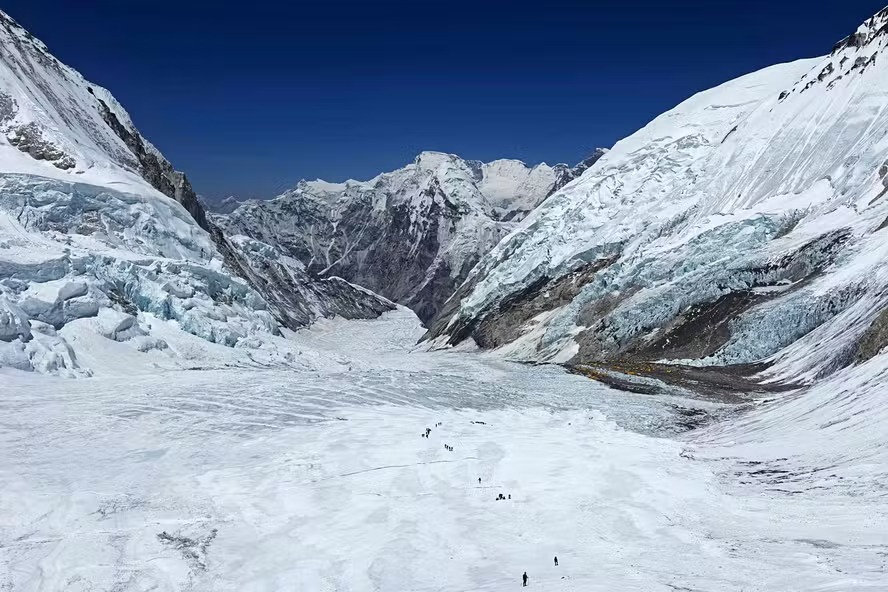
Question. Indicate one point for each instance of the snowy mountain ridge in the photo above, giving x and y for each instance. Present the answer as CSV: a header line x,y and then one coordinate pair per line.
x,y
53,122
103,242
412,234
747,225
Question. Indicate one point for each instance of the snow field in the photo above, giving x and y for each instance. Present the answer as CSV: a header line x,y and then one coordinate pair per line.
x,y
251,479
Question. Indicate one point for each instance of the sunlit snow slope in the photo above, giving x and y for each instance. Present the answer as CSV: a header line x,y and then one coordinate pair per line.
x,y
101,238
746,224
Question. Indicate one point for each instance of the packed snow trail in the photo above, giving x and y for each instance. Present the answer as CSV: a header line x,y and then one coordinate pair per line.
x,y
271,480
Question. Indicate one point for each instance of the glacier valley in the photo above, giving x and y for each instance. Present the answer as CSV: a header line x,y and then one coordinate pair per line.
x,y
665,366
320,479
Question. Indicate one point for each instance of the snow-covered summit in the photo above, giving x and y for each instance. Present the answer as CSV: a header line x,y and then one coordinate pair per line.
x,y
412,234
871,34
505,188
747,224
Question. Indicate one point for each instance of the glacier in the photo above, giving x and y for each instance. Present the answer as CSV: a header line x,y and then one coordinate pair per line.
x,y
248,414
730,230
255,479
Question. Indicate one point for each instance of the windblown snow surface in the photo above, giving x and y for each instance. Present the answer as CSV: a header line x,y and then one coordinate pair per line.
x,y
319,479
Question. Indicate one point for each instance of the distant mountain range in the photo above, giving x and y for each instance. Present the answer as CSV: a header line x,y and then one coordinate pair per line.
x,y
412,235
744,230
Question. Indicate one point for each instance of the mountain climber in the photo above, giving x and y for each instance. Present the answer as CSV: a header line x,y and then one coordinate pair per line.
x,y
524,579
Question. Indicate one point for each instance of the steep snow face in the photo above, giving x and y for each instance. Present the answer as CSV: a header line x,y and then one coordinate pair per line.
x,y
54,123
101,237
412,234
746,224
513,189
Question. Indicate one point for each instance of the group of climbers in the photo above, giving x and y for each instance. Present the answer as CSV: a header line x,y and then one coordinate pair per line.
x,y
499,497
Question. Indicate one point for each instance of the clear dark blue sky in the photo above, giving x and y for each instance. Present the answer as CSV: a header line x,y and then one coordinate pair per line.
x,y
249,97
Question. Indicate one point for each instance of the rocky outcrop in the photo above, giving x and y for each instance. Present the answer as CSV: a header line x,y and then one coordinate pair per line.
x,y
509,318
875,339
295,298
154,167
29,140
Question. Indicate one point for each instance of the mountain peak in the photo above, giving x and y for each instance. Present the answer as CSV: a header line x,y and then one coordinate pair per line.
x,y
876,27
16,30
852,57
430,160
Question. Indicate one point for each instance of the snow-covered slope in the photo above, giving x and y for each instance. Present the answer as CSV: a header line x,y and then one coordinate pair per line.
x,y
265,480
412,234
57,124
99,235
746,224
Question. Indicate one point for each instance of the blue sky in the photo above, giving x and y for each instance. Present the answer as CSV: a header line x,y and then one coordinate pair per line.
x,y
249,97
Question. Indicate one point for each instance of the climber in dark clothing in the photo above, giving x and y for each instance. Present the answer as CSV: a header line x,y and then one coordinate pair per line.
x,y
556,561
524,579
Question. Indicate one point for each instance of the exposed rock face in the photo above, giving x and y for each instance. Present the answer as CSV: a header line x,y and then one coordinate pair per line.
x,y
412,235
728,231
875,339
154,168
295,298
508,320
29,140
